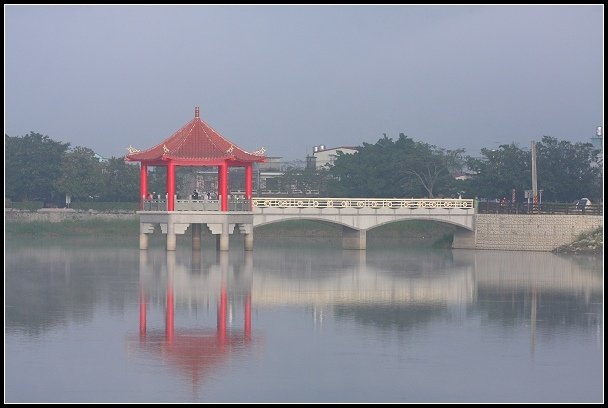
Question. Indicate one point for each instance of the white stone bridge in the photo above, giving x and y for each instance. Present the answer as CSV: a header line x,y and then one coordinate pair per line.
x,y
528,232
358,215
355,215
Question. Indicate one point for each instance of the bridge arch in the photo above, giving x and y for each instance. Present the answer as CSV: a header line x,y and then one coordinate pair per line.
x,y
363,222
301,218
439,220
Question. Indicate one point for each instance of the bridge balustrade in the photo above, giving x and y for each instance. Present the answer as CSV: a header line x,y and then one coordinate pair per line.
x,y
359,203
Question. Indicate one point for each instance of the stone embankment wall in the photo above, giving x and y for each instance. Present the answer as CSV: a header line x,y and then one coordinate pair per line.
x,y
519,232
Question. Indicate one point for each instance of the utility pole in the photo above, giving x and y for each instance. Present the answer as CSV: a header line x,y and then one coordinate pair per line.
x,y
534,180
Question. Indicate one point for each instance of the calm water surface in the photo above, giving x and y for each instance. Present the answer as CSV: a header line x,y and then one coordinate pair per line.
x,y
300,323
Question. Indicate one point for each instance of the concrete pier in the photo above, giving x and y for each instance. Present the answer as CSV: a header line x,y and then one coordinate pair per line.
x,y
196,237
353,239
173,223
223,242
171,239
249,241
143,241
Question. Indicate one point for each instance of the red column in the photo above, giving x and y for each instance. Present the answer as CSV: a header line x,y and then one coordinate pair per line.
x,y
248,183
219,183
221,314
142,314
169,324
248,317
224,185
170,186
143,184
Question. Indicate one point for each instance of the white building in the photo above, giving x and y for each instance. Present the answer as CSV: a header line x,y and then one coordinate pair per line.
x,y
322,156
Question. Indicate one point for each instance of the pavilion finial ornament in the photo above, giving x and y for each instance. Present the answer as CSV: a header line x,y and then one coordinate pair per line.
x,y
230,149
260,151
132,150
165,148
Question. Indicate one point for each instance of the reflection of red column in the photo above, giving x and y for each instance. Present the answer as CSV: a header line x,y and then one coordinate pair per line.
x,y
143,184
221,315
248,183
142,314
248,317
169,325
170,186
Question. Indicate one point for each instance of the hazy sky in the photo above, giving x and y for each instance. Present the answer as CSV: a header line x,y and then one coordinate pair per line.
x,y
291,77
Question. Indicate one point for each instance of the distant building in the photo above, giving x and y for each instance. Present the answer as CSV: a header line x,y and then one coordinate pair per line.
x,y
273,163
322,156
459,175
267,172
100,158
597,141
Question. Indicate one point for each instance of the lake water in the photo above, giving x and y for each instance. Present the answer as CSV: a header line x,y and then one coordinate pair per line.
x,y
92,322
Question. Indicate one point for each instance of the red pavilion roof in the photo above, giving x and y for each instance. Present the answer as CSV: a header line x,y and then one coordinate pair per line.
x,y
195,142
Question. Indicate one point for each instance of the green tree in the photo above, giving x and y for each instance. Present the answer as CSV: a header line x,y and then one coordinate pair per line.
x,y
432,167
185,180
303,180
80,174
567,171
120,180
299,181
402,168
157,180
371,172
32,165
499,171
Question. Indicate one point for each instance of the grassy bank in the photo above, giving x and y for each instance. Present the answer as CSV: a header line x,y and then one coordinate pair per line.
x,y
88,228
407,233
586,243
78,205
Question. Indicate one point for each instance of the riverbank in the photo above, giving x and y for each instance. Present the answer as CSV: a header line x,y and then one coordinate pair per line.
x,y
407,233
71,228
586,243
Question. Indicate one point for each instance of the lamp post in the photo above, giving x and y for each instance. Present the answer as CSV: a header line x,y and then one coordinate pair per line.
x,y
534,180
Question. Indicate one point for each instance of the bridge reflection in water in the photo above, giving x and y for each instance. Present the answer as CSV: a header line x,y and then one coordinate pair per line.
x,y
380,282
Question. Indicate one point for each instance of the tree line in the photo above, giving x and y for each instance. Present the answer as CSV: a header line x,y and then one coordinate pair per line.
x,y
38,168
406,168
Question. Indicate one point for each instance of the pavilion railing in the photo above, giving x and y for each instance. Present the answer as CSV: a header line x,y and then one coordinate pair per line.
x,y
154,205
239,205
196,205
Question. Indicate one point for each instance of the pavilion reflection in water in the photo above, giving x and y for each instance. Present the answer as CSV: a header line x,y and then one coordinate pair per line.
x,y
195,352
